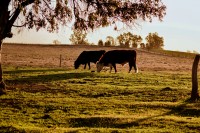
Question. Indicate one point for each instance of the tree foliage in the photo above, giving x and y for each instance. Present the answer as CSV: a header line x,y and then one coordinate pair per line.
x,y
100,43
129,40
110,40
154,41
142,45
79,38
121,39
86,14
56,42
136,40
107,43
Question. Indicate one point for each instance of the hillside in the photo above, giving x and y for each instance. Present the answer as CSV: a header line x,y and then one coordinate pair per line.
x,y
49,56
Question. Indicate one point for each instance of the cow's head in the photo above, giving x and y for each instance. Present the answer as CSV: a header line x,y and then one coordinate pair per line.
x,y
99,66
76,65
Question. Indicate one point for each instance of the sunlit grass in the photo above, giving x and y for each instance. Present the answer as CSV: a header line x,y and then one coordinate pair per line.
x,y
60,100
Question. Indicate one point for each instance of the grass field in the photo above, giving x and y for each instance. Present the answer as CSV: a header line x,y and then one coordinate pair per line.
x,y
46,98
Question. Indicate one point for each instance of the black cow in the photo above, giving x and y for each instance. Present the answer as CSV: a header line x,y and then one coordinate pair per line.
x,y
88,56
113,57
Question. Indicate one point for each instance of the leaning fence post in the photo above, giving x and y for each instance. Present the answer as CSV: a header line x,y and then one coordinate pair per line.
x,y
194,93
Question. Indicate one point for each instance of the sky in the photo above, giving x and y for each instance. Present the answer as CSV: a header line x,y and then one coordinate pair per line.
x,y
180,29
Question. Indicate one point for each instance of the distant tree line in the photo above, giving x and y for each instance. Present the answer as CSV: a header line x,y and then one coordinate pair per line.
x,y
125,40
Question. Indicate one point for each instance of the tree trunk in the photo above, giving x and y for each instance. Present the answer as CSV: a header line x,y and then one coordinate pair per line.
x,y
2,84
4,17
194,93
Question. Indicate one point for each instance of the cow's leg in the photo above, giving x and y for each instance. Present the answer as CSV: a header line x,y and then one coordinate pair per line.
x,y
110,65
130,66
110,68
114,65
89,65
135,67
85,65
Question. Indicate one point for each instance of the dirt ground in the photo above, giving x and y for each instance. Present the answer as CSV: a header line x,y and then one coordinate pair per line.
x,y
50,55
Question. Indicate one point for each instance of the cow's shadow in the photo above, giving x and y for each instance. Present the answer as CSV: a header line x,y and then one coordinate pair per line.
x,y
42,76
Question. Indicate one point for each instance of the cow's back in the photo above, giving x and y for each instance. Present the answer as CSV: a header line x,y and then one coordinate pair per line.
x,y
96,55
118,56
90,56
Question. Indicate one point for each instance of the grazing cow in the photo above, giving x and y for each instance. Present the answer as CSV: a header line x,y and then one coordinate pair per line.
x,y
88,56
113,57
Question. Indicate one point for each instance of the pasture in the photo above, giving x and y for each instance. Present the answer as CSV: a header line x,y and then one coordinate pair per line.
x,y
44,97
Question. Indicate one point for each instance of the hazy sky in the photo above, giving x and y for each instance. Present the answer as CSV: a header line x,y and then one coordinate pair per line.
x,y
180,29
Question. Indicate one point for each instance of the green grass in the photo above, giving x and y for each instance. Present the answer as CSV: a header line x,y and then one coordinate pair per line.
x,y
65,100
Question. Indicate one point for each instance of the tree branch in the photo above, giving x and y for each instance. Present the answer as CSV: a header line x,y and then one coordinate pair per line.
x,y
7,32
19,26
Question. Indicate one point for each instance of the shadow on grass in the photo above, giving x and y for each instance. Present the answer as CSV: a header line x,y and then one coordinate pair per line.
x,y
184,111
17,71
41,78
106,122
10,129
111,122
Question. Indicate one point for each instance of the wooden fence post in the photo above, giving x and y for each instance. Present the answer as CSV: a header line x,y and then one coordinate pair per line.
x,y
194,93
